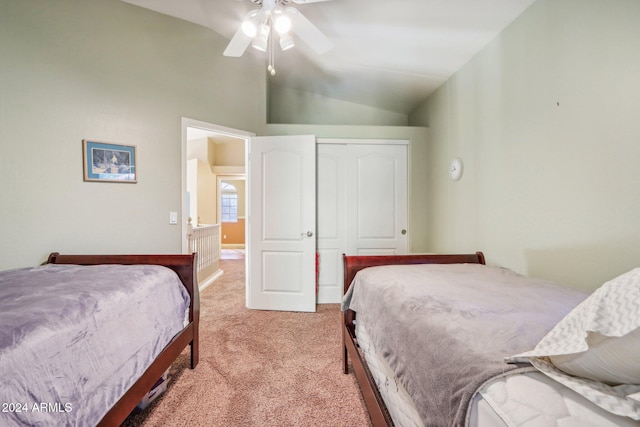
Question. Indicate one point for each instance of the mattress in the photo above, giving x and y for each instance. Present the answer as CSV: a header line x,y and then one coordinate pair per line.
x,y
432,325
527,399
397,400
74,339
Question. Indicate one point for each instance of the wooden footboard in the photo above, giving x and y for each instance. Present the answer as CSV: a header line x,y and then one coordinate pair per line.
x,y
185,267
352,264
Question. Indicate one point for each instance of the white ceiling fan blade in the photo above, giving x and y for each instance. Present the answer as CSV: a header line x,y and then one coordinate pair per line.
x,y
309,33
238,44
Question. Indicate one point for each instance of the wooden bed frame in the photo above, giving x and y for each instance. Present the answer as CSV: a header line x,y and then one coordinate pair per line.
x,y
352,264
185,267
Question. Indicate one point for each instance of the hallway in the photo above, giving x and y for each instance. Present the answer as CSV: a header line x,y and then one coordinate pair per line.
x,y
232,254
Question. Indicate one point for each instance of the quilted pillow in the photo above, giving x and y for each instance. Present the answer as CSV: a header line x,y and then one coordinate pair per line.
x,y
595,349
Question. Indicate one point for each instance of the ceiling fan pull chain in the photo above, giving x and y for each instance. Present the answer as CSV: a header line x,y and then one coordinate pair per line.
x,y
271,68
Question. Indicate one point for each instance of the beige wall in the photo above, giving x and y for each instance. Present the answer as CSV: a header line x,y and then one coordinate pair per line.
x,y
202,186
202,149
229,154
109,71
288,106
207,190
546,120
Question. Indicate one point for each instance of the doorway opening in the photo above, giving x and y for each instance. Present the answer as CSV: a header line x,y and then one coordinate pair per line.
x,y
209,154
232,214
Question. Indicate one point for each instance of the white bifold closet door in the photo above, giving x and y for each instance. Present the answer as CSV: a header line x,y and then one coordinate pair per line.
x,y
361,205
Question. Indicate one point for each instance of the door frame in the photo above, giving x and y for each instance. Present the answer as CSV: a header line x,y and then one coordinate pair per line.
x,y
214,129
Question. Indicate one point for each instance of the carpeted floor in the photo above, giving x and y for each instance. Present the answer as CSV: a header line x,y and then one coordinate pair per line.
x,y
258,368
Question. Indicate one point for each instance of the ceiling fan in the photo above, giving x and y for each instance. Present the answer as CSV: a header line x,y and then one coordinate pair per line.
x,y
276,16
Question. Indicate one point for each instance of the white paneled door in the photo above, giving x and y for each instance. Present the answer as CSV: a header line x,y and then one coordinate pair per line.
x,y
362,205
282,223
377,200
332,217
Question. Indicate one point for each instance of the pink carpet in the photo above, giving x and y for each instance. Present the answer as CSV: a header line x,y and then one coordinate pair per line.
x,y
259,368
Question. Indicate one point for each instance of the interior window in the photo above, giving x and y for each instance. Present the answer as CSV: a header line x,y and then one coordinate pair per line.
x,y
229,202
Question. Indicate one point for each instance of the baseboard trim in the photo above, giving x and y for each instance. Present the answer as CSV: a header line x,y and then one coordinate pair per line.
x,y
210,280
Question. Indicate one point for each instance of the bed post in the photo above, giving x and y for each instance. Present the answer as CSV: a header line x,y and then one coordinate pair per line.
x,y
345,353
194,313
347,318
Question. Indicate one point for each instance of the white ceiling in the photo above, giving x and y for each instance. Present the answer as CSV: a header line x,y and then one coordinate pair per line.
x,y
388,54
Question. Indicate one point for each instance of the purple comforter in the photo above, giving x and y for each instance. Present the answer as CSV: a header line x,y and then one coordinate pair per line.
x,y
445,329
73,339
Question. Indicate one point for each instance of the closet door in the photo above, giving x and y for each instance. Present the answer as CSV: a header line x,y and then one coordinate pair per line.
x,y
332,219
377,199
362,205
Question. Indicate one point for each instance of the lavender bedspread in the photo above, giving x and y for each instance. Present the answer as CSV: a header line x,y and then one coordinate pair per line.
x,y
445,329
73,339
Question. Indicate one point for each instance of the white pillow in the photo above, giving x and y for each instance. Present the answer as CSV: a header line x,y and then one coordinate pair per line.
x,y
596,347
611,360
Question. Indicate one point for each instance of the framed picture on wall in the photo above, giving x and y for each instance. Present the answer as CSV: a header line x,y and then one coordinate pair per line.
x,y
108,162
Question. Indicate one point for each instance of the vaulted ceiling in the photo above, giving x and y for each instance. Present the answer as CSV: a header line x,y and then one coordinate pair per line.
x,y
387,54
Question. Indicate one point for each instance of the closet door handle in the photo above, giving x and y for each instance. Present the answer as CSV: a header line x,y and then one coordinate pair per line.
x,y
403,231
307,234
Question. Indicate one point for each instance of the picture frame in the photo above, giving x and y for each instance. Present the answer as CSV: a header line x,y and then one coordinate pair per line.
x,y
109,162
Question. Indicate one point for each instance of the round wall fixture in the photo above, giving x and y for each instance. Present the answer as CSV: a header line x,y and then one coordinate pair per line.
x,y
455,169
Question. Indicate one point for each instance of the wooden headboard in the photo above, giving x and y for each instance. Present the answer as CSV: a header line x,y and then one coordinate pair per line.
x,y
355,263
183,265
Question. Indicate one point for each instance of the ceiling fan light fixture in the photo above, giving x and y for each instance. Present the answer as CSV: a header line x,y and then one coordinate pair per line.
x,y
249,28
261,39
282,23
250,23
256,30
286,41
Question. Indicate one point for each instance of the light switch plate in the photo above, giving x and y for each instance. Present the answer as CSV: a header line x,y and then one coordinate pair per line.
x,y
173,218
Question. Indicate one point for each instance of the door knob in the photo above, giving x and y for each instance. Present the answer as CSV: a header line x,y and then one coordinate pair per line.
x,y
403,231
307,234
